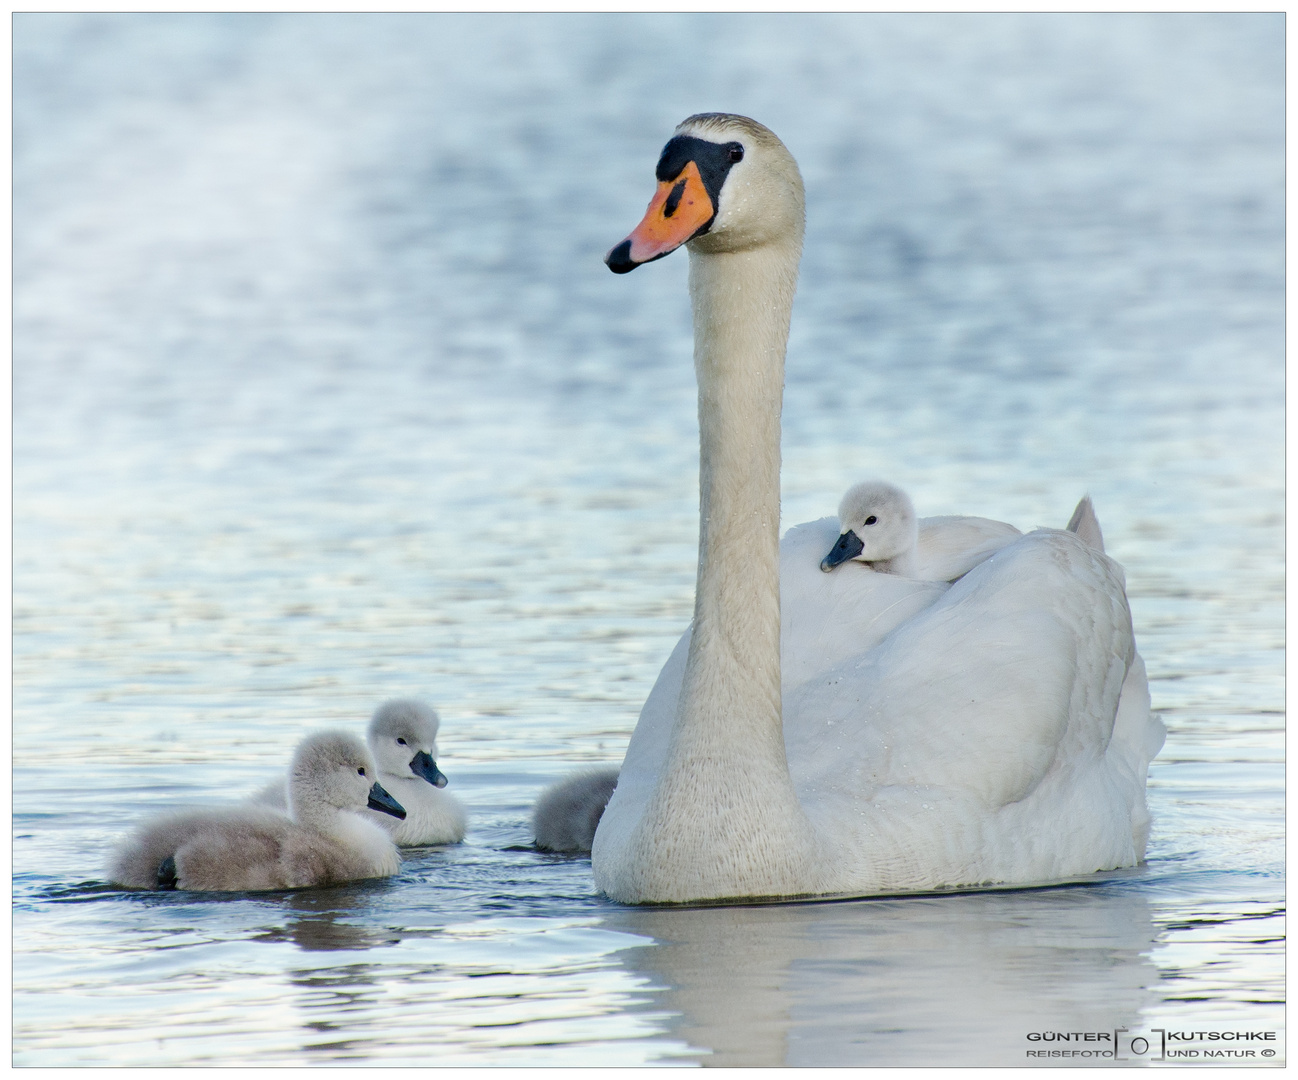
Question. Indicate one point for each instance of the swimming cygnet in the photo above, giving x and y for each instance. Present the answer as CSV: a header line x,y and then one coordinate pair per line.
x,y
568,811
403,738
322,840
880,529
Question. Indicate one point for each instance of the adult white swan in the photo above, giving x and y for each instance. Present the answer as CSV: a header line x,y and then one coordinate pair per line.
x,y
992,731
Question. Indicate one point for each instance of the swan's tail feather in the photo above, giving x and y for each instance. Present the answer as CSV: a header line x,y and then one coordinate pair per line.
x,y
1086,525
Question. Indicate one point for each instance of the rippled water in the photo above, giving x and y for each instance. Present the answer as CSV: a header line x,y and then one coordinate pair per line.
x,y
322,395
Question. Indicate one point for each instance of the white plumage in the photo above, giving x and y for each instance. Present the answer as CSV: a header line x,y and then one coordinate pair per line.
x,y
860,732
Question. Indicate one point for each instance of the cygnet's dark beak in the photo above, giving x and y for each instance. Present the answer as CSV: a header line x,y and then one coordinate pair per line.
x,y
381,801
849,546
423,765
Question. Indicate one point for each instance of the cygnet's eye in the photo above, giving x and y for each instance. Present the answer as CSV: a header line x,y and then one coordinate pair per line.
x,y
736,151
402,742
360,772
871,520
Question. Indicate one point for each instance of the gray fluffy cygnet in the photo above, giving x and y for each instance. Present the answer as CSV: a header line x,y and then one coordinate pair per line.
x,y
568,811
321,840
402,736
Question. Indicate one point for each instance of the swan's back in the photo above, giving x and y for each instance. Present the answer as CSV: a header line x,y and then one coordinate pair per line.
x,y
825,618
274,794
981,732
994,729
248,849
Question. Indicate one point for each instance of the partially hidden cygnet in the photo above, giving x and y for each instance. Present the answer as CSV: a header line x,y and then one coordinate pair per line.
x,y
568,811
403,738
323,839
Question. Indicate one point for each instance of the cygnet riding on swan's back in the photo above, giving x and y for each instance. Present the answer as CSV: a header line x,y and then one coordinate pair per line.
x,y
853,733
403,738
879,528
322,840
568,812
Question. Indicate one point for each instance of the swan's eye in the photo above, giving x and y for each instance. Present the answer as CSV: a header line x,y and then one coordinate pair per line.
x,y
871,520
736,152
401,742
360,772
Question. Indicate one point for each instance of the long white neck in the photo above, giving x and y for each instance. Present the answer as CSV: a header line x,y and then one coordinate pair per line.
x,y
724,819
742,303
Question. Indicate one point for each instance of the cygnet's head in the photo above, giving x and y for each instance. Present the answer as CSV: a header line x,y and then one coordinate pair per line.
x,y
725,183
334,770
403,736
878,523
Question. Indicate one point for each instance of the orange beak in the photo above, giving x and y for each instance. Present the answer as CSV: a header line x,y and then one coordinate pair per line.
x,y
679,210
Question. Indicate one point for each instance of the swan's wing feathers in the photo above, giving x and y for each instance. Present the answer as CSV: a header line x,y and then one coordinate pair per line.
x,y
646,755
1137,736
1018,666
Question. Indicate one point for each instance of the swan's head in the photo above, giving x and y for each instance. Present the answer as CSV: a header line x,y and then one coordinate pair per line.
x,y
334,770
403,736
725,183
878,522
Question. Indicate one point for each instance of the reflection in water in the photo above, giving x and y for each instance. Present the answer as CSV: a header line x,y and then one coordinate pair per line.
x,y
314,922
951,980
